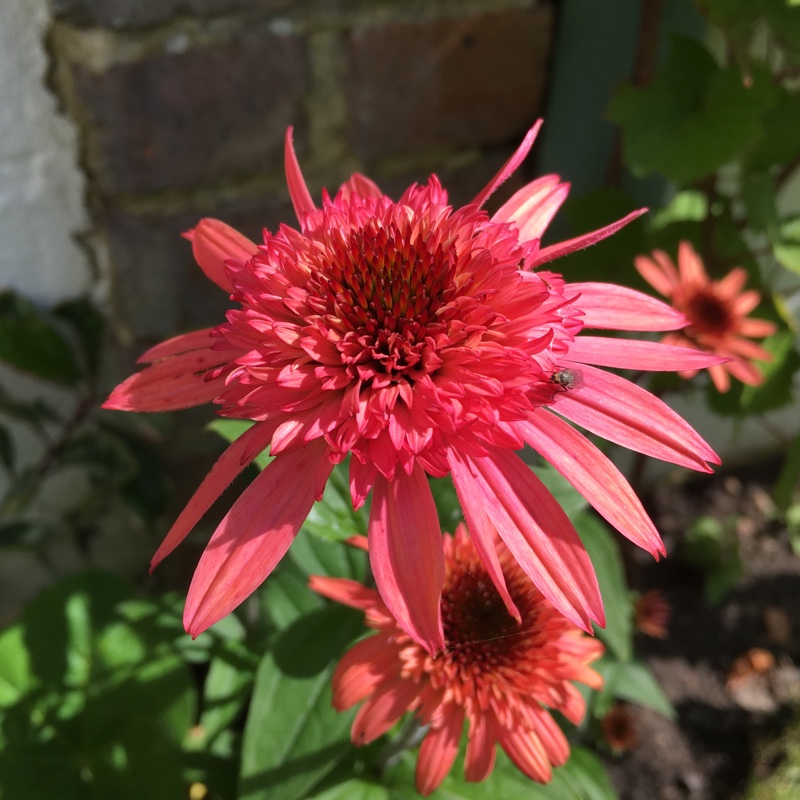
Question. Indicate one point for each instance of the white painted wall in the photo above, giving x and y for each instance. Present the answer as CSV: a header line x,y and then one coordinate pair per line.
x,y
41,210
41,187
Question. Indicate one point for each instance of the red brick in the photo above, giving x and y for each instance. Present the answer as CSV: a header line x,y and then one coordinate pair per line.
x,y
158,289
120,14
175,121
451,82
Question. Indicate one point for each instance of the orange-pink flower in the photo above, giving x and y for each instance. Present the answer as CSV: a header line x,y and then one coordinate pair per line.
x,y
420,340
500,674
717,314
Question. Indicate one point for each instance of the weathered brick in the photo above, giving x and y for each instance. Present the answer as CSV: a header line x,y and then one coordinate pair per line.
x,y
449,82
121,14
158,289
172,121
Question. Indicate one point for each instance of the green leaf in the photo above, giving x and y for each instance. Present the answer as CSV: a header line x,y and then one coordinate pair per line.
x,y
572,501
30,343
758,194
353,789
687,206
227,689
89,327
789,478
694,118
15,674
322,556
293,737
776,391
779,142
334,518
285,595
103,702
232,429
603,550
787,248
581,778
447,504
634,682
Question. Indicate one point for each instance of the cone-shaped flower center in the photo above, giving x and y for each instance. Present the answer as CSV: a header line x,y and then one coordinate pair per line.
x,y
478,630
709,313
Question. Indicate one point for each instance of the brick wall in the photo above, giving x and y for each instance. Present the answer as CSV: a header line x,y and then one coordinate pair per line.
x,y
182,107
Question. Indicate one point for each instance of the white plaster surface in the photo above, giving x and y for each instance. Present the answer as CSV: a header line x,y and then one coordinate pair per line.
x,y
41,211
41,187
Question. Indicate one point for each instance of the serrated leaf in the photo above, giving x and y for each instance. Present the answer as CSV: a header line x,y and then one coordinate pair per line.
x,y
603,550
293,737
32,344
694,118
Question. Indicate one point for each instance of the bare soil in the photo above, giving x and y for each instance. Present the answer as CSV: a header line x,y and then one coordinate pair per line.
x,y
728,668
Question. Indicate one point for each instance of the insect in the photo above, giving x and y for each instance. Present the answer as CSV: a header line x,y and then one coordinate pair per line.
x,y
567,378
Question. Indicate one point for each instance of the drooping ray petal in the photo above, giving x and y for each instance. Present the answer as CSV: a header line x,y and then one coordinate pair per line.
x,y
235,458
213,243
405,552
581,242
526,752
254,535
642,423
534,206
196,340
594,476
361,670
605,351
605,305
437,753
170,384
298,191
381,711
534,528
481,751
510,166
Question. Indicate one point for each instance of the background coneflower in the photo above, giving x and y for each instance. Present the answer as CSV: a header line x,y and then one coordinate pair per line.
x,y
717,313
502,675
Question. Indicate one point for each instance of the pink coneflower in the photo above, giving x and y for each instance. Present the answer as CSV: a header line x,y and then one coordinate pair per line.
x,y
419,339
619,729
717,314
500,673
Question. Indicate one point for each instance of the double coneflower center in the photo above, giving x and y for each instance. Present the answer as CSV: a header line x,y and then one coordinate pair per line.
x,y
382,288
